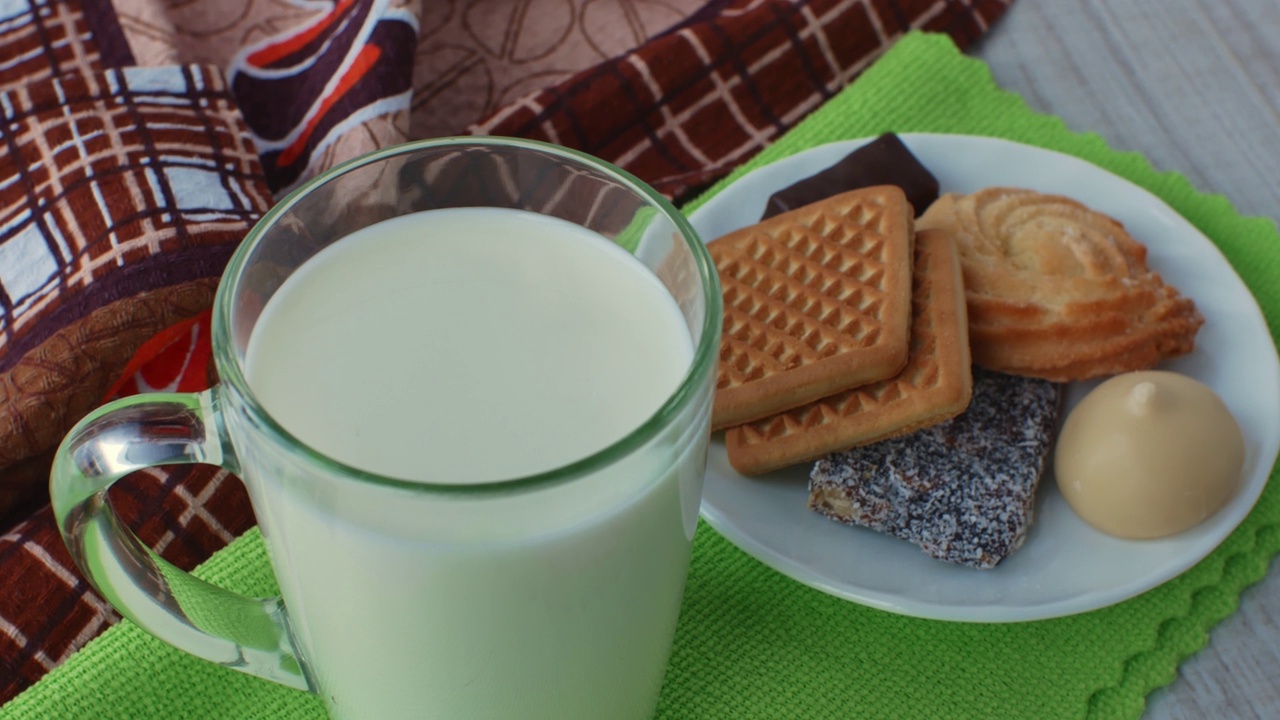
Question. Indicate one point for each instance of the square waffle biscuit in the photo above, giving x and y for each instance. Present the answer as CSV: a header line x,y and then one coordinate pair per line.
x,y
816,300
935,385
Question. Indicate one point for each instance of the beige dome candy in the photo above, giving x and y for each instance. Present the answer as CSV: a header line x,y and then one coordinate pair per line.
x,y
1149,454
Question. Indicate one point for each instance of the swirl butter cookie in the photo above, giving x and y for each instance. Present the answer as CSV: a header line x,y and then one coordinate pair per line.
x,y
1058,291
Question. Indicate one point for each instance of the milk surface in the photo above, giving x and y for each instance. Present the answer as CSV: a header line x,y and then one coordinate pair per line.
x,y
460,347
467,345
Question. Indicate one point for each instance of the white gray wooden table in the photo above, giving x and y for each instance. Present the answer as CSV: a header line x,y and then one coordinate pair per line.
x,y
1194,85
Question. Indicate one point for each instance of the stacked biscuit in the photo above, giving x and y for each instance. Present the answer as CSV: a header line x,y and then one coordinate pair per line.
x,y
849,331
843,326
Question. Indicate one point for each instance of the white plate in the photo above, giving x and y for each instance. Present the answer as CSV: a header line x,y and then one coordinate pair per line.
x,y
1066,566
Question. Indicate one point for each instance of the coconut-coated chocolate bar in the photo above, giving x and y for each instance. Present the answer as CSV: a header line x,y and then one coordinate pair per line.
x,y
963,490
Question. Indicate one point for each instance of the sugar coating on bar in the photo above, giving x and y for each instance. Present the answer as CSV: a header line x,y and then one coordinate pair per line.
x,y
964,490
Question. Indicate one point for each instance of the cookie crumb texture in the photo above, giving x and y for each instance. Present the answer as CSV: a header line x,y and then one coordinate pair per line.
x,y
963,490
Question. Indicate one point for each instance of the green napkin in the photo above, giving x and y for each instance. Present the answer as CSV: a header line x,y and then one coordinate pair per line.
x,y
754,644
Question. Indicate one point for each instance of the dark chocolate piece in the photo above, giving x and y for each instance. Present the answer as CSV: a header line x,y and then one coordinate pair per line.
x,y
883,161
962,490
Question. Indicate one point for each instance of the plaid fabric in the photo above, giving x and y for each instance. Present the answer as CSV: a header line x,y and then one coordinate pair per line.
x,y
687,107
135,167
47,611
121,196
40,39
679,111
114,186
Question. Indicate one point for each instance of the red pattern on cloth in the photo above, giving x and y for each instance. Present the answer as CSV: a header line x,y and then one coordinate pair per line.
x,y
299,89
680,111
177,359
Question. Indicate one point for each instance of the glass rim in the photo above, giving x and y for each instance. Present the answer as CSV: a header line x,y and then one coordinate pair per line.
x,y
705,356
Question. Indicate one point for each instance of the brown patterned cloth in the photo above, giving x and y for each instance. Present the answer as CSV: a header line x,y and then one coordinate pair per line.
x,y
124,194
469,59
47,611
317,82
123,188
474,58
690,105
43,40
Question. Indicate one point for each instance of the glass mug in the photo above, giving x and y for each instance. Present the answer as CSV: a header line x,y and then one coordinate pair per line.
x,y
552,595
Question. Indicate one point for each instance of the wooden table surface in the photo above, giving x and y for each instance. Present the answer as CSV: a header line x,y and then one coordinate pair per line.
x,y
1194,85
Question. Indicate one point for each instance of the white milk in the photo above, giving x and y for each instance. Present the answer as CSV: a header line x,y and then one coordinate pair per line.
x,y
458,347
496,343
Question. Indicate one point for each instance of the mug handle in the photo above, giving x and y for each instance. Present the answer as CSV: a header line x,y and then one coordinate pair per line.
x,y
246,634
